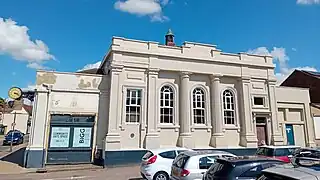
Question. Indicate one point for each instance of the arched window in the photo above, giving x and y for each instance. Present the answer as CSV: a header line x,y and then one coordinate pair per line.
x,y
228,107
198,106
166,104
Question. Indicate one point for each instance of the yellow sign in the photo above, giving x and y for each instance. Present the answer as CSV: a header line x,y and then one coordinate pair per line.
x,y
15,93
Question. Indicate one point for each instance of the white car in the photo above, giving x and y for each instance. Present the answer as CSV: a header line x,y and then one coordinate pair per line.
x,y
156,164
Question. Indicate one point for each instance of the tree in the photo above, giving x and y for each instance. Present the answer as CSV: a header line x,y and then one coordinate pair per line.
x,y
2,102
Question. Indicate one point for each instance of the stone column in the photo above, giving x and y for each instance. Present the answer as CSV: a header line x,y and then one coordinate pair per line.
x,y
310,126
113,134
152,138
185,139
276,137
216,111
248,137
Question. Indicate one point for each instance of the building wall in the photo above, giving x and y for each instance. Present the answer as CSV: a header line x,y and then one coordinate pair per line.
x,y
316,119
20,123
60,93
293,109
148,66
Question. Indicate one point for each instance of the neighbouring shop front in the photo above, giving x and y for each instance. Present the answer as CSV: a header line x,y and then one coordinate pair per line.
x,y
70,139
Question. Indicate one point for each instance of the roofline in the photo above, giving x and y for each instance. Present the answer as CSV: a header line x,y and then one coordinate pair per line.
x,y
63,72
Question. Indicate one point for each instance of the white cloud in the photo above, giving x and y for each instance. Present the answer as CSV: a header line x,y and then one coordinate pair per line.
x,y
91,66
152,8
16,42
308,2
35,65
279,55
30,87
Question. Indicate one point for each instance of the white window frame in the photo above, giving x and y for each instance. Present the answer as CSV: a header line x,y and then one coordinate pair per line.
x,y
235,102
163,102
137,121
265,101
203,101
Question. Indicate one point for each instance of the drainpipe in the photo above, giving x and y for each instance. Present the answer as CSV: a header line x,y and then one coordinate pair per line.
x,y
49,89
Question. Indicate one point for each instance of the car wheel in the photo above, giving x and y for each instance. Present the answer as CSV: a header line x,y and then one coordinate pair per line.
x,y
161,176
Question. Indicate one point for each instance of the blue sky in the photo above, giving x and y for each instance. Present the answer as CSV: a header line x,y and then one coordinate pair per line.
x,y
67,35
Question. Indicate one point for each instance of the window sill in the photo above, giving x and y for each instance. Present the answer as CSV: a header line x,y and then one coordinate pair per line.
x,y
231,127
202,126
168,126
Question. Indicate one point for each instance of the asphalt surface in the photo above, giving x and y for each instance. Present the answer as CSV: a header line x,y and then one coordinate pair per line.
x,y
123,173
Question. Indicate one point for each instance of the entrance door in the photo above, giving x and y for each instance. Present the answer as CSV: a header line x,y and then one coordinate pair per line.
x,y
290,134
261,131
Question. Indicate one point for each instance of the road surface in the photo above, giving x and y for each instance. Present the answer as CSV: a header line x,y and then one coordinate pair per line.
x,y
123,173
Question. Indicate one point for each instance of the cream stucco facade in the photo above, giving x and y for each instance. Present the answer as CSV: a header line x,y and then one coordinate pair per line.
x,y
150,96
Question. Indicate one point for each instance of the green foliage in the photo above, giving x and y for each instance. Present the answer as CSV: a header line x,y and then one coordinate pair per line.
x,y
2,101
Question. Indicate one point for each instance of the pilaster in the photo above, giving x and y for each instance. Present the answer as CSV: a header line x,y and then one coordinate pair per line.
x,y
113,133
248,137
276,137
152,137
185,139
309,126
216,112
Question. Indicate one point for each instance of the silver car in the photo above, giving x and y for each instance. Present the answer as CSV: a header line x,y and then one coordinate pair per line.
x,y
191,165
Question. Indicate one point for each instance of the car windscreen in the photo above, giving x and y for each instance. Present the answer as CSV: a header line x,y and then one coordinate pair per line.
x,y
271,176
284,151
148,155
220,169
180,161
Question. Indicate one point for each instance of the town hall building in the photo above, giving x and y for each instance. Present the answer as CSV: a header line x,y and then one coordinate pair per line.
x,y
146,95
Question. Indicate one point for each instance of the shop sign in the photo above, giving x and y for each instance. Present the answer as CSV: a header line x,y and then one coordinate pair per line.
x,y
82,137
60,137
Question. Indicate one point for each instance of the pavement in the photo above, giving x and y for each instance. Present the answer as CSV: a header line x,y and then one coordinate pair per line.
x,y
121,173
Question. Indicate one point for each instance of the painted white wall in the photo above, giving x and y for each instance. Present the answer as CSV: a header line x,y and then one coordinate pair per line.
x,y
317,126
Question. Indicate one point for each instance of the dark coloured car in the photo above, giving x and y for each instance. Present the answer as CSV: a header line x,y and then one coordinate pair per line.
x,y
242,167
15,136
307,152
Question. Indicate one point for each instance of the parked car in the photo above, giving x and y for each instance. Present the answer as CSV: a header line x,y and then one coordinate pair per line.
x,y
191,165
283,153
307,152
16,136
156,164
290,172
242,167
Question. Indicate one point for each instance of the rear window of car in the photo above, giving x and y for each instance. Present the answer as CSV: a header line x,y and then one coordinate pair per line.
x,y
284,151
180,161
148,155
207,161
263,151
220,169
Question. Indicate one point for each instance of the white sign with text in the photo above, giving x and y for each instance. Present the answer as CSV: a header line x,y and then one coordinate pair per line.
x,y
82,137
60,137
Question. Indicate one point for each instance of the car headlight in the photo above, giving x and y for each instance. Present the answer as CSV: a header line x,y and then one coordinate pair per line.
x,y
16,139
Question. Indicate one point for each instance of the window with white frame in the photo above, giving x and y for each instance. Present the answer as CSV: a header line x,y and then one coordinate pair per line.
x,y
229,107
166,104
133,105
198,106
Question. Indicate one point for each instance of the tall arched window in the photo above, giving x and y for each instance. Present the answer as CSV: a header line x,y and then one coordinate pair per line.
x,y
228,107
166,104
198,106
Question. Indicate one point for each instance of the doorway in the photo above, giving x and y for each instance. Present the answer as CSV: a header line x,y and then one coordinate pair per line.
x,y
290,134
261,127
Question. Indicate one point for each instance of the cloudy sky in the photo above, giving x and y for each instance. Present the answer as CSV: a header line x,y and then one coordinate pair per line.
x,y
75,34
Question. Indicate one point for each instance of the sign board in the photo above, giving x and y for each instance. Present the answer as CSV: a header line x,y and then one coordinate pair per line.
x,y
60,137
82,137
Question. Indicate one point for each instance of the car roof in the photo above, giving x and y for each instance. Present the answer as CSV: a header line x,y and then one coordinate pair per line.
x,y
160,150
205,152
276,147
249,159
289,171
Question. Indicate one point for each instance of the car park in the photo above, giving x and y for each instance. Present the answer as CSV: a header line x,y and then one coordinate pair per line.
x,y
16,136
241,167
156,164
191,165
283,153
